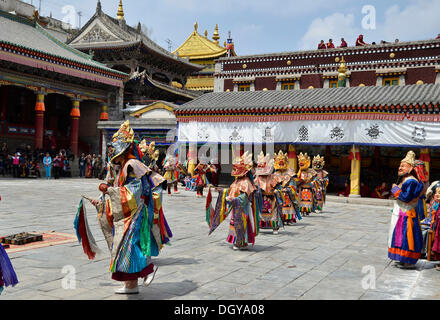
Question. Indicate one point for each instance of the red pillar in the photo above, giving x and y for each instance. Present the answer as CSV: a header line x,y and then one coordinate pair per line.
x,y
39,121
74,128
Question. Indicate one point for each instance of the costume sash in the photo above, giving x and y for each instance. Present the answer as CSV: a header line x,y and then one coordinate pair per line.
x,y
398,233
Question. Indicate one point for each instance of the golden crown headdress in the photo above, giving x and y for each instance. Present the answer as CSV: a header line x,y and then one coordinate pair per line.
x,y
125,133
303,157
281,161
150,149
318,159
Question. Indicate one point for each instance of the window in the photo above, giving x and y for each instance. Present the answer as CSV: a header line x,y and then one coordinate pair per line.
x,y
287,86
244,87
390,82
333,84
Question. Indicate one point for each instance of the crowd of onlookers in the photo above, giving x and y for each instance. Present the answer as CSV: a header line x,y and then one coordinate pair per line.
x,y
359,43
381,191
26,162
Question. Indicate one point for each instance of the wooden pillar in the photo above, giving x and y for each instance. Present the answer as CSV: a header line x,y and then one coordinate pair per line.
x,y
425,157
74,130
293,159
355,176
104,113
192,158
39,121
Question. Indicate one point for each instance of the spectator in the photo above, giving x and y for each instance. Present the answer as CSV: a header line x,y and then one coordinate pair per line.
x,y
47,162
82,165
438,36
360,41
321,45
15,165
330,44
93,164
346,191
97,167
365,190
88,166
396,41
57,165
343,43
373,43
381,191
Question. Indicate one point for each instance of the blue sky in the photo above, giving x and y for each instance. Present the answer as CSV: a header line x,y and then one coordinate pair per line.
x,y
263,26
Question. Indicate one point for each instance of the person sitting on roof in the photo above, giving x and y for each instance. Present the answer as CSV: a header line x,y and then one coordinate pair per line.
x,y
438,36
343,43
330,44
360,41
321,45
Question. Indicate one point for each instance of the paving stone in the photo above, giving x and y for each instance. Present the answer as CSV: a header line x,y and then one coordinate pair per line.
x,y
321,257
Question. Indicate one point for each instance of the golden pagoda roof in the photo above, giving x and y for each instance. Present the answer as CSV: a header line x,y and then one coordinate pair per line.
x,y
198,46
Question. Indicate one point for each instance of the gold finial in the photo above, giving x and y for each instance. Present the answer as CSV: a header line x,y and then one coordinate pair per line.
x,y
120,11
206,33
196,26
216,35
342,66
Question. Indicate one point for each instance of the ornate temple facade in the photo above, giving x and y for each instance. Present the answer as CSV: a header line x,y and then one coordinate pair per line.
x,y
51,95
295,101
152,70
203,51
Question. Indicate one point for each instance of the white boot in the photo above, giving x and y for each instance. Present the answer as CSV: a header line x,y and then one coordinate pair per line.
x,y
125,290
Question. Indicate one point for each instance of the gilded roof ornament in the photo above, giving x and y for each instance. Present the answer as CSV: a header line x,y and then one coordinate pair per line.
x,y
120,11
216,35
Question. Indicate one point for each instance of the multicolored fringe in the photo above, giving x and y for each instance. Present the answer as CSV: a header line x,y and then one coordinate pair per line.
x,y
221,211
83,232
7,273
293,195
269,224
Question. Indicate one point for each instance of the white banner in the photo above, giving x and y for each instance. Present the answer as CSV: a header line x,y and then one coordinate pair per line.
x,y
328,132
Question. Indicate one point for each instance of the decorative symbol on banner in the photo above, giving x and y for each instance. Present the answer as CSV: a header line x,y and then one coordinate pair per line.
x,y
203,134
337,134
303,134
374,131
419,134
268,134
235,135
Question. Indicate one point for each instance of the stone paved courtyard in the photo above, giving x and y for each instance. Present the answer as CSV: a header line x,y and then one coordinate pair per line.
x,y
328,256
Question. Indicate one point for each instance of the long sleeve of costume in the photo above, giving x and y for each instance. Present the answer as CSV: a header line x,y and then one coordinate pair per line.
x,y
410,190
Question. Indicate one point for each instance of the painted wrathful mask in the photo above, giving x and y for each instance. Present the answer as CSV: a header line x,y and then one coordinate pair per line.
x,y
303,161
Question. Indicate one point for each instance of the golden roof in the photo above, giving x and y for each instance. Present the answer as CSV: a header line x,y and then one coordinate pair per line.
x,y
200,47
200,83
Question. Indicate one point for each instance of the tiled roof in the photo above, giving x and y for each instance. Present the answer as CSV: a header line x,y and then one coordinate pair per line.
x,y
25,34
316,98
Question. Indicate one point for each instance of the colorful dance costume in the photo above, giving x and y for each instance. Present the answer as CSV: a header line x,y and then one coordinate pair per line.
x,y
201,180
320,182
285,183
271,201
240,199
405,240
171,173
132,219
305,184
7,273
431,222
